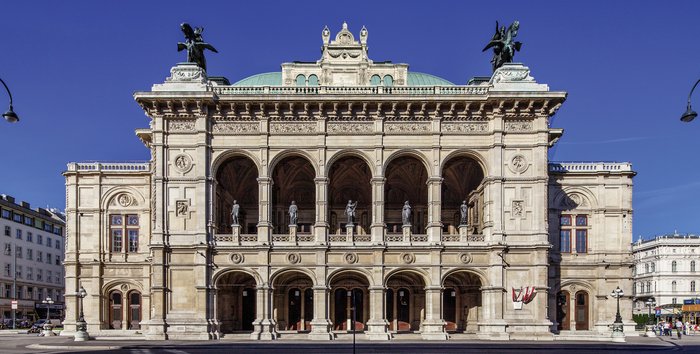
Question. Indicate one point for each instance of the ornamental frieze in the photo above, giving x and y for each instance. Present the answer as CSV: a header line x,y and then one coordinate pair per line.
x,y
236,128
467,128
292,128
407,128
518,126
180,125
350,128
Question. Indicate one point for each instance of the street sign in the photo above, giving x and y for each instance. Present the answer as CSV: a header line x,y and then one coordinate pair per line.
x,y
15,304
658,312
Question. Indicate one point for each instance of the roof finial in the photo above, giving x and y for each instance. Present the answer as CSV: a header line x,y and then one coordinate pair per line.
x,y
345,25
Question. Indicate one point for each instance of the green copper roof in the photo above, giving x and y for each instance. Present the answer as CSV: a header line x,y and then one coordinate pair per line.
x,y
422,79
275,79
264,79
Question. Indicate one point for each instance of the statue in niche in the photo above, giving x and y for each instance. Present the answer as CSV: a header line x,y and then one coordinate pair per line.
x,y
406,214
463,213
195,45
504,45
235,213
293,213
350,211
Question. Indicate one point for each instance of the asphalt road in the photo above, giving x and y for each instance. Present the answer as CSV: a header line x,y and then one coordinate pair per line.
x,y
14,344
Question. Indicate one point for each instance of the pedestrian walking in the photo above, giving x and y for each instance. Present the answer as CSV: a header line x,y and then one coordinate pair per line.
x,y
679,328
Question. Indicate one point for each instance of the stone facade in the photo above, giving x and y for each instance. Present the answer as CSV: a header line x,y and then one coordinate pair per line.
x,y
667,269
344,128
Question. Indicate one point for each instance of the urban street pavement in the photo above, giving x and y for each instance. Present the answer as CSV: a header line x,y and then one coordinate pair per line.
x,y
13,342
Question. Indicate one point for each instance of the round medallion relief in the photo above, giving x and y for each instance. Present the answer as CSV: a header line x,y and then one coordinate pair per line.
x,y
293,258
518,164
350,258
236,258
183,163
465,258
408,258
124,287
125,200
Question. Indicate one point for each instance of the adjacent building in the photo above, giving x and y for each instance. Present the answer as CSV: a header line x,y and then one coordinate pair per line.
x,y
425,206
667,269
33,247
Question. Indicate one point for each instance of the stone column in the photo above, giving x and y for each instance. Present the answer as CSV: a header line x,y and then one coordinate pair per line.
x,y
320,325
434,226
378,224
264,325
492,325
321,226
264,199
377,324
433,324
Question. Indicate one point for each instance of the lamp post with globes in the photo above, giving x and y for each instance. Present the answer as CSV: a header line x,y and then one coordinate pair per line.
x,y
650,323
81,333
48,328
617,326
10,115
689,114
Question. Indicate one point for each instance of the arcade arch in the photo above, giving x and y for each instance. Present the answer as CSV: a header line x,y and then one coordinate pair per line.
x,y
237,179
346,287
293,181
462,301
406,180
462,183
293,301
405,301
349,179
235,302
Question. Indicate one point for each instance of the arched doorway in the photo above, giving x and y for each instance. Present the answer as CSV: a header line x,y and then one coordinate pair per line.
x,y
293,301
349,179
293,181
406,179
134,314
236,302
237,179
461,297
405,301
349,291
115,309
581,312
563,310
462,182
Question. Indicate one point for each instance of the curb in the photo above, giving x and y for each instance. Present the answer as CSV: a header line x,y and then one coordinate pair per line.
x,y
74,347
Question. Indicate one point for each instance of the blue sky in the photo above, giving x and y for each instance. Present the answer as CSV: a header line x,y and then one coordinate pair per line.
x,y
628,66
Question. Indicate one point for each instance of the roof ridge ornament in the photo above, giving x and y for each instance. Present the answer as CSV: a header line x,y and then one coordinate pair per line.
x,y
504,45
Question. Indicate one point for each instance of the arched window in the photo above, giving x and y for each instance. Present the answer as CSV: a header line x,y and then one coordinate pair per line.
x,y
692,266
115,310
301,80
646,268
134,320
692,286
674,266
673,286
653,267
375,80
388,80
648,286
313,80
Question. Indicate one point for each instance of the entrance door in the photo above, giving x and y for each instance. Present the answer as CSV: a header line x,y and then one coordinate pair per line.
x,y
581,311
359,298
248,315
308,308
294,308
449,307
563,309
389,302
403,309
340,304
134,321
115,310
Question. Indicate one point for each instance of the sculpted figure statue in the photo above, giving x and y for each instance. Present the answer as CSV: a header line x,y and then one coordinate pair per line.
x,y
463,213
406,214
504,45
235,213
293,214
350,211
195,45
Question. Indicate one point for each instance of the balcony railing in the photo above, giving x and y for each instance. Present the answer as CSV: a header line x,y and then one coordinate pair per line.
x,y
109,166
350,90
591,167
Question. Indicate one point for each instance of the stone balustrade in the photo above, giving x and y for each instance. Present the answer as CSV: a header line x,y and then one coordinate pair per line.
x,y
589,167
350,90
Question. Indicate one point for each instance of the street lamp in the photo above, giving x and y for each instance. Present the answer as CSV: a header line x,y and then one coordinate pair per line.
x,y
47,326
81,333
617,327
10,115
689,114
650,323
